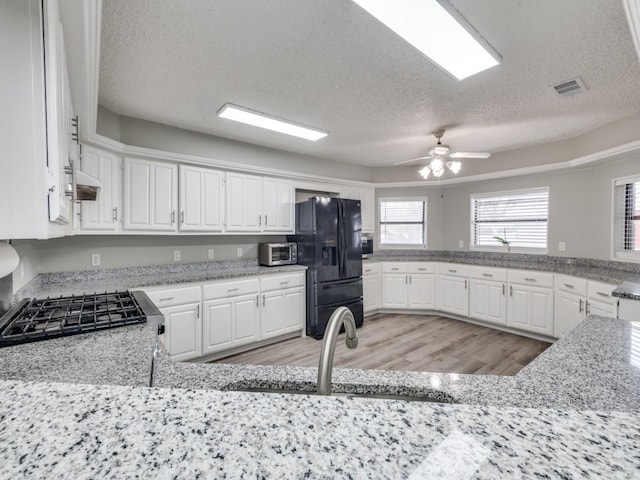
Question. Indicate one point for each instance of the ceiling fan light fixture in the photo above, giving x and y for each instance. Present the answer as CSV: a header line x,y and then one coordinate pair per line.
x,y
436,164
438,172
425,172
449,40
262,120
455,166
441,150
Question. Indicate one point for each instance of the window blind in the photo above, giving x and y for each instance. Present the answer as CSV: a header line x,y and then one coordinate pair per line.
x,y
519,218
403,222
628,217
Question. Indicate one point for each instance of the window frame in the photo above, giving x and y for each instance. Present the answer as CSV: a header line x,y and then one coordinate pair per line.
x,y
403,246
500,248
618,213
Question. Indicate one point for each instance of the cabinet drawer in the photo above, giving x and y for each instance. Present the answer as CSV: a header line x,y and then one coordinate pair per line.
x,y
453,269
488,273
575,285
525,277
600,291
168,297
421,267
224,289
279,282
394,267
370,268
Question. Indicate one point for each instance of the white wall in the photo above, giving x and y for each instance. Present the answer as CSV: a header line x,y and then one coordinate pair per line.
x,y
580,207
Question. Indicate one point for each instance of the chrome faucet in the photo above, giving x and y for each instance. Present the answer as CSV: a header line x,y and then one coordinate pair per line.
x,y
341,316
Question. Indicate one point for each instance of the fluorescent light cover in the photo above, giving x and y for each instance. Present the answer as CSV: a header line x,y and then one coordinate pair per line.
x,y
257,119
449,42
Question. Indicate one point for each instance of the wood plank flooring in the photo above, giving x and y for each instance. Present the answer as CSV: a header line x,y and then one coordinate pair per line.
x,y
422,343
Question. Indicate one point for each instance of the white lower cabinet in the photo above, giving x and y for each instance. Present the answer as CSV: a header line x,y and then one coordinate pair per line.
x,y
182,321
408,285
230,322
453,288
421,295
569,311
394,290
488,294
371,287
283,304
530,304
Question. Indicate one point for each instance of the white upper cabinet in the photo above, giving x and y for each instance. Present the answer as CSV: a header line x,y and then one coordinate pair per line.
x,y
102,214
244,211
150,195
278,205
367,197
201,199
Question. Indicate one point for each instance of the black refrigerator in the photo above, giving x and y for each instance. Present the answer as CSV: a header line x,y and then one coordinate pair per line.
x,y
329,238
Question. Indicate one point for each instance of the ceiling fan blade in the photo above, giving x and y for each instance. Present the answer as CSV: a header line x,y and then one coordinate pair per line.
x,y
413,160
470,155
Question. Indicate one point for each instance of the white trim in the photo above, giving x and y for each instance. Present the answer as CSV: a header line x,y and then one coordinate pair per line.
x,y
404,246
617,182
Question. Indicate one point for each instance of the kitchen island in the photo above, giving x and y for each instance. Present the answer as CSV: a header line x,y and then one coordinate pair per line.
x,y
81,404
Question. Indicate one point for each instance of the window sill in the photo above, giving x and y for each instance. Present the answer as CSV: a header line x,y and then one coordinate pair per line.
x,y
631,257
530,251
402,247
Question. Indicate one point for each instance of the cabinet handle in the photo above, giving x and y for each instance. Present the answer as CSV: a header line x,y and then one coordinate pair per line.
x,y
504,287
115,214
569,286
257,300
487,275
511,290
259,220
265,219
580,306
453,271
233,290
284,283
166,299
603,294
465,284
529,279
173,216
263,299
182,216
394,269
409,279
198,311
587,308
421,269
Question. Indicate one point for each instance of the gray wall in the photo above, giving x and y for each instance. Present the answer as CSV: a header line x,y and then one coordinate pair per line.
x,y
74,253
108,123
580,207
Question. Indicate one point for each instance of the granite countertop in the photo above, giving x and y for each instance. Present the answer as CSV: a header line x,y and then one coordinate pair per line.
x,y
80,404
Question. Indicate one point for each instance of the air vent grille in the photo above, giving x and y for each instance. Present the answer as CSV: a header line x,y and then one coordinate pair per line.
x,y
569,88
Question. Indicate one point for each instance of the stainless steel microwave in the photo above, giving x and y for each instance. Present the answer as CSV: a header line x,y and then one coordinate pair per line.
x,y
273,254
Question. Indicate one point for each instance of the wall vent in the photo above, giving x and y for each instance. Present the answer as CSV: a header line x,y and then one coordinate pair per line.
x,y
569,88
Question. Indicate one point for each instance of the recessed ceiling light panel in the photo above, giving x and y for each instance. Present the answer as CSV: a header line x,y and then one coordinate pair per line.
x,y
436,29
262,120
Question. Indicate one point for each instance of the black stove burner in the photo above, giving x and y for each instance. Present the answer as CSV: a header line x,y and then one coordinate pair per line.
x,y
42,319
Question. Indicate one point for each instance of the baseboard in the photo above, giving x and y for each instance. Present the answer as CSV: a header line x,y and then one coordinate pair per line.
x,y
245,348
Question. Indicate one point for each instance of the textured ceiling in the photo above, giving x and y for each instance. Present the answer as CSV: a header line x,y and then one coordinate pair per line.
x,y
330,65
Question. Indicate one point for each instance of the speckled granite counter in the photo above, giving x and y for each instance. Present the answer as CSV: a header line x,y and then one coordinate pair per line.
x,y
116,428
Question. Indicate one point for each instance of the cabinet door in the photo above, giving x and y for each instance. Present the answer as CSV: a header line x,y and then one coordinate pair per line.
x,y
278,205
282,312
518,307
244,194
102,214
371,292
183,330
201,199
246,326
569,311
453,295
603,309
530,308
150,195
421,293
368,209
394,290
217,325
488,301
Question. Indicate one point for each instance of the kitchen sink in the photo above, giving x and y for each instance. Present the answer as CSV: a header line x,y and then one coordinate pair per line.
x,y
441,397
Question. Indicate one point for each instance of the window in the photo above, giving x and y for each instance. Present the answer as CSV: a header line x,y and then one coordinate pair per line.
x,y
627,218
519,218
403,222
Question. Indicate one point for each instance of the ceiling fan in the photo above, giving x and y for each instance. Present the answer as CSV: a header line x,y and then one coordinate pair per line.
x,y
442,156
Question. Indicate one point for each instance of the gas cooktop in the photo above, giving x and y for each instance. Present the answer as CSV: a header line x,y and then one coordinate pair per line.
x,y
41,319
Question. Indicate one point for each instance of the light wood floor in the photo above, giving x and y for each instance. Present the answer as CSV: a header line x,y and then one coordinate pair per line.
x,y
422,343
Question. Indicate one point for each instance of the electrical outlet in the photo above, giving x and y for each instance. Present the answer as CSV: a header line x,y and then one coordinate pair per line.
x,y
210,254
176,255
460,243
239,252
95,260
562,246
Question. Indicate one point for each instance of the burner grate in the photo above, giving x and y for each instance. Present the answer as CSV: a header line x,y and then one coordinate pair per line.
x,y
42,319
